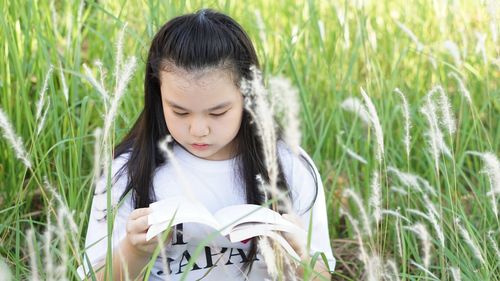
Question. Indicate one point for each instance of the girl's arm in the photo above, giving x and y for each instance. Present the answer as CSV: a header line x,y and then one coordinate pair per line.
x,y
126,260
133,252
320,269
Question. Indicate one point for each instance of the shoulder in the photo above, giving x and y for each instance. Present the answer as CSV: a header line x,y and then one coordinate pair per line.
x,y
301,174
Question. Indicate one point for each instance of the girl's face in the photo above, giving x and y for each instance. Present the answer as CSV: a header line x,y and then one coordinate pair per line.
x,y
203,111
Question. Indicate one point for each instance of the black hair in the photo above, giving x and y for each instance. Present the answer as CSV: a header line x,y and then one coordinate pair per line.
x,y
205,39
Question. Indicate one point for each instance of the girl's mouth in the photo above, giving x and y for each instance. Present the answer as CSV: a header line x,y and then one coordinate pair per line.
x,y
199,146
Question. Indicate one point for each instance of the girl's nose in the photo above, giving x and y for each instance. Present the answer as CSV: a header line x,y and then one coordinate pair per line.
x,y
199,128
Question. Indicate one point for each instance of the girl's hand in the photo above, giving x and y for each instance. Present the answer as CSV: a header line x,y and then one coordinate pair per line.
x,y
137,227
299,245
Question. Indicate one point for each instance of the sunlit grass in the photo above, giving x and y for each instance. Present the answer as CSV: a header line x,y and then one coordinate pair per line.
x,y
330,50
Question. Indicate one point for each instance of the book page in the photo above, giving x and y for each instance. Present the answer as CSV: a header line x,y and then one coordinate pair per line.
x,y
232,216
175,210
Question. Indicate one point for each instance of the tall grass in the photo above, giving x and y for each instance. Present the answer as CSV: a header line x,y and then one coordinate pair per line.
x,y
436,214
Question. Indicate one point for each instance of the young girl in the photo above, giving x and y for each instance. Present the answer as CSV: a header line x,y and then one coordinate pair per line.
x,y
192,93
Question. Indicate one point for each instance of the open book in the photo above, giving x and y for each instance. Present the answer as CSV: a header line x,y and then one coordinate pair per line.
x,y
237,222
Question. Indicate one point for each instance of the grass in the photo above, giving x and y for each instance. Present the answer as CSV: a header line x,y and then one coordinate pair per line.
x,y
329,49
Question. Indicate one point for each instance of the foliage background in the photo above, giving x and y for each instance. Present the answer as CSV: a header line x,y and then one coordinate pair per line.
x,y
328,49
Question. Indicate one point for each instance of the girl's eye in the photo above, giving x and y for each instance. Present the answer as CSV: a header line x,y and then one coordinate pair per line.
x,y
180,113
218,114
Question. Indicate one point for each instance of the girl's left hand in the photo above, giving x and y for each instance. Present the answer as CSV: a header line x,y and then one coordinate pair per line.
x,y
299,245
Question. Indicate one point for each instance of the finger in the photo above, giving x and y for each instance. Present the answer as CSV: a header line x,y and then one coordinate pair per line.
x,y
137,213
139,239
138,225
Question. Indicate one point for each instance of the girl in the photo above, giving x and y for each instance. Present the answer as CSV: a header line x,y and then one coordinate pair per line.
x,y
192,93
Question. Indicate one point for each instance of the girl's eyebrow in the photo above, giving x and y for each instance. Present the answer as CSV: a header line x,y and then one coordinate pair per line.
x,y
222,105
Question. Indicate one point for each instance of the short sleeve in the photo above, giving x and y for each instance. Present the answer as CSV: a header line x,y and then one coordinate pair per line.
x,y
309,202
96,242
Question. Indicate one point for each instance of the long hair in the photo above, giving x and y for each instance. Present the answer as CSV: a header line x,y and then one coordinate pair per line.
x,y
190,42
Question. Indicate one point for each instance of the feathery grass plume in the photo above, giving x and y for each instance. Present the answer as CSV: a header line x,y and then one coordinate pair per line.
x,y
30,236
418,213
406,179
434,219
391,266
372,35
63,83
357,107
480,46
354,154
65,215
267,252
424,269
461,86
492,170
99,86
125,75
406,114
15,141
41,99
53,15
42,121
47,245
256,103
412,36
455,273
430,217
432,61
374,268
468,240
119,54
376,124
363,254
413,181
261,186
321,27
364,216
295,35
62,233
447,118
427,186
4,271
454,51
398,190
421,231
285,105
494,244
163,146
398,237
262,29
493,8
346,33
395,214
340,12
434,134
376,198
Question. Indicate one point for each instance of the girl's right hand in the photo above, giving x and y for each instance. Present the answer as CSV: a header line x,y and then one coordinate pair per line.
x,y
137,227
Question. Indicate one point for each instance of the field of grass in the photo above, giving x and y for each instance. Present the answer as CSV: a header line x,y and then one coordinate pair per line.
x,y
415,202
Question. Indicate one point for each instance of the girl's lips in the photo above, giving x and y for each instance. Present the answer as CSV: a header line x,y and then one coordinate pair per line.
x,y
199,146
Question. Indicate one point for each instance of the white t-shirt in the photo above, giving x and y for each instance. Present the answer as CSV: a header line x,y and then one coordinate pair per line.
x,y
216,185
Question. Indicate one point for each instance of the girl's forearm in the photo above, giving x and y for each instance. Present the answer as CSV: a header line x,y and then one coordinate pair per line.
x,y
126,260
